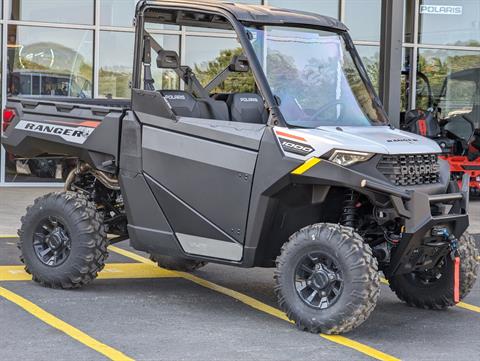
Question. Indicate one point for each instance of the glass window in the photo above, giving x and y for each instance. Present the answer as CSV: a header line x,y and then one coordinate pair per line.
x,y
363,19
121,13
324,7
405,82
37,170
370,57
165,78
450,22
117,12
53,11
48,61
409,21
115,64
208,56
439,66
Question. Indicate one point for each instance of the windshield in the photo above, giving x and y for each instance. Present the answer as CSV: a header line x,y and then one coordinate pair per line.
x,y
315,78
461,98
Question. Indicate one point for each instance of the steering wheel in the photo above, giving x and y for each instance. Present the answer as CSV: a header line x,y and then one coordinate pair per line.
x,y
325,107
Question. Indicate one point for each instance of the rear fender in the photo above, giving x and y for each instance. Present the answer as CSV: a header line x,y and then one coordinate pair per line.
x,y
89,133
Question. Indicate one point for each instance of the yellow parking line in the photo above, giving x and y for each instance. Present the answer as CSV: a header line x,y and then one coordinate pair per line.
x,y
463,305
8,236
131,255
468,307
64,327
256,304
111,271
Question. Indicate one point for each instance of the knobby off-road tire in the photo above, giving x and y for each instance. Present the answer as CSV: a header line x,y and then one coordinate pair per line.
x,y
83,240
177,263
353,263
412,288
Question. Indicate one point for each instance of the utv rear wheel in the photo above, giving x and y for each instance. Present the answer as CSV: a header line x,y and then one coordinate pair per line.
x,y
327,279
62,241
433,289
177,263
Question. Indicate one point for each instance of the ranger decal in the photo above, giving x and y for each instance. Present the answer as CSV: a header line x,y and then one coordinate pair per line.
x,y
70,133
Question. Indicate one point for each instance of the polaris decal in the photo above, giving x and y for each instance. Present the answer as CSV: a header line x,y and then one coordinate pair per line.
x,y
70,133
175,97
397,140
249,100
291,146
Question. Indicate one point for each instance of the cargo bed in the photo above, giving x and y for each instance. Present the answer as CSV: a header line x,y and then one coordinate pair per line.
x,y
86,128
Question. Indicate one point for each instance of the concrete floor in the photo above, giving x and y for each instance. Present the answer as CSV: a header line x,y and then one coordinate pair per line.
x,y
173,318
14,201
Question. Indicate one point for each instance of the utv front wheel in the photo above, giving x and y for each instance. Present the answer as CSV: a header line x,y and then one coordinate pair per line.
x,y
62,241
327,279
433,289
177,263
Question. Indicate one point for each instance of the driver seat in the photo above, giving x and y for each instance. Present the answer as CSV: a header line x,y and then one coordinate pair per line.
x,y
247,108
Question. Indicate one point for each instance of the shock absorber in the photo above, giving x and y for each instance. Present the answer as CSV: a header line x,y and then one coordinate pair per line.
x,y
350,210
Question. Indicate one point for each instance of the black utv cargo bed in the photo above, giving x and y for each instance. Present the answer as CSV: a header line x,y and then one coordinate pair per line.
x,y
62,126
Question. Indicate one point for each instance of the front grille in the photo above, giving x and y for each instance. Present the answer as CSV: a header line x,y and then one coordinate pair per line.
x,y
410,169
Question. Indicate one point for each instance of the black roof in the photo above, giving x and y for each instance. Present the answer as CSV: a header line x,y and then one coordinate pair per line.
x,y
259,14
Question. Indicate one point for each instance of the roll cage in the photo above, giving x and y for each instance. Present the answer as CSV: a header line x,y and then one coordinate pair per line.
x,y
236,17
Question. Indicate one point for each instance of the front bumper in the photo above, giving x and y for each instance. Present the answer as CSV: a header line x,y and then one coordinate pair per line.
x,y
414,206
419,223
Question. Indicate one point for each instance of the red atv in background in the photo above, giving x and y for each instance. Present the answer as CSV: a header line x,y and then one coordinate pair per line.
x,y
453,121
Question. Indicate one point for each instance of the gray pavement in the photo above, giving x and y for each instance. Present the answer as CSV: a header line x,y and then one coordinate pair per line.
x,y
14,201
175,319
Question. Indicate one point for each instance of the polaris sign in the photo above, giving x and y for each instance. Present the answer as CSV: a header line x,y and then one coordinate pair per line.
x,y
441,10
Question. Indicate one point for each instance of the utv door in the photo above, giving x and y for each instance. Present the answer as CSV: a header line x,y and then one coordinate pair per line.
x,y
200,172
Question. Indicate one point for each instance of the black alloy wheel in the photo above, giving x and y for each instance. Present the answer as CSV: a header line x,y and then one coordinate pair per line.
x,y
318,280
51,242
63,241
326,279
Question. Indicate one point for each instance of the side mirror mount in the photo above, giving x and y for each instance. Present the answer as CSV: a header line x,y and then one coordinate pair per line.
x,y
239,64
278,100
168,59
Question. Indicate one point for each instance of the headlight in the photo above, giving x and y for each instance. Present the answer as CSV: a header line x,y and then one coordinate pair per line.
x,y
348,157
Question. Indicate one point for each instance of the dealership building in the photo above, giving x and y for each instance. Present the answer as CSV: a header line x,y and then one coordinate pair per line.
x,y
84,48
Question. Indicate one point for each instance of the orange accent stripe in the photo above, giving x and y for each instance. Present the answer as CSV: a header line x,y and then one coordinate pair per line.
x,y
90,123
86,123
278,132
456,280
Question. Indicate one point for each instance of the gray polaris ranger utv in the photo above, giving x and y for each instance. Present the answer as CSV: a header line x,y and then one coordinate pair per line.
x,y
299,170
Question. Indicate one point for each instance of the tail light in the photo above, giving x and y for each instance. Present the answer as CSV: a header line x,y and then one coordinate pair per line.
x,y
8,116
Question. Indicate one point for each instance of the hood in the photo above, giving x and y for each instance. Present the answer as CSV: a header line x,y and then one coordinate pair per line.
x,y
374,139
